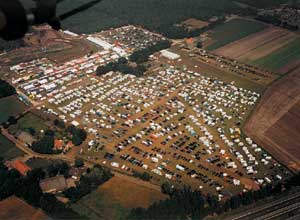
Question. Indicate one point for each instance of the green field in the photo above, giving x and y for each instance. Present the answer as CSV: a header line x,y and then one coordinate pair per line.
x,y
99,205
114,199
233,30
10,106
281,57
8,149
28,121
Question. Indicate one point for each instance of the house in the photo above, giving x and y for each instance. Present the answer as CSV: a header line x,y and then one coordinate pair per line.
x,y
20,166
54,184
58,144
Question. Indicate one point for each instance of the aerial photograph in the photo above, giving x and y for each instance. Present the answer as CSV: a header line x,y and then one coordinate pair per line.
x,y
149,109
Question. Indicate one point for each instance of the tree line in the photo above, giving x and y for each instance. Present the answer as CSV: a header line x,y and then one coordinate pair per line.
x,y
188,204
88,183
6,89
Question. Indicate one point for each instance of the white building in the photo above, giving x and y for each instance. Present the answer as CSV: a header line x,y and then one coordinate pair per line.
x,y
169,55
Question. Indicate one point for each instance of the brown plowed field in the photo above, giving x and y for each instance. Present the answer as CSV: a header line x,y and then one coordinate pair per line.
x,y
257,45
267,48
14,208
275,124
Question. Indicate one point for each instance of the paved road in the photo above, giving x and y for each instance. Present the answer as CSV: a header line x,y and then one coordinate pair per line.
x,y
273,210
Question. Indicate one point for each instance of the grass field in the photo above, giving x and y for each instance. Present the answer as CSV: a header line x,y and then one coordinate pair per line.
x,y
281,57
114,199
8,149
10,106
36,163
233,30
28,121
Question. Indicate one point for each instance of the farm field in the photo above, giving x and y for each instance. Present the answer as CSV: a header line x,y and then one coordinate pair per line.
x,y
8,149
288,127
282,57
114,199
10,106
14,208
245,49
277,116
233,30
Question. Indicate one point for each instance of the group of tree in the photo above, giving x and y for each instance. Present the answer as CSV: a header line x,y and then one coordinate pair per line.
x,y
45,145
10,45
142,56
121,65
143,176
6,89
275,20
188,204
27,188
78,134
59,123
155,15
58,168
88,182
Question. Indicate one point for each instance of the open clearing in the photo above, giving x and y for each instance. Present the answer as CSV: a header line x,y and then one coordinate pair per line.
x,y
10,106
233,30
193,24
245,49
14,208
116,197
8,149
29,121
275,122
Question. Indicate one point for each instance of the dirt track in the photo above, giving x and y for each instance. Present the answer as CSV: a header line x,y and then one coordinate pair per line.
x,y
275,123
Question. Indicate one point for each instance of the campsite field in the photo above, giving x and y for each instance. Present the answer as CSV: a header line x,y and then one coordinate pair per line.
x,y
233,30
10,106
281,57
114,199
8,149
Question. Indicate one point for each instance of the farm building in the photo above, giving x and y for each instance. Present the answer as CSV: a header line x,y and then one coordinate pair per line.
x,y
169,55
18,165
